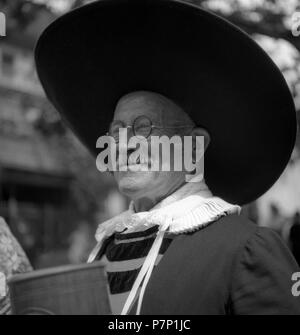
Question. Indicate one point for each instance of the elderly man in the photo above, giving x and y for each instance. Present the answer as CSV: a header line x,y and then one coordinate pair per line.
x,y
164,67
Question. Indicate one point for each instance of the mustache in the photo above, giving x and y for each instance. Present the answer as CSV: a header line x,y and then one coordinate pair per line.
x,y
132,159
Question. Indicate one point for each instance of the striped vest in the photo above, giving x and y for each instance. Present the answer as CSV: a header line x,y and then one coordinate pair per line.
x,y
124,254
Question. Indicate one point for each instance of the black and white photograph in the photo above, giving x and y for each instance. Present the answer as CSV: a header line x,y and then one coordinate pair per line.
x,y
149,160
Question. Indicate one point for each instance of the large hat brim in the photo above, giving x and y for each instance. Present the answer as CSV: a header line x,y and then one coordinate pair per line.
x,y
90,57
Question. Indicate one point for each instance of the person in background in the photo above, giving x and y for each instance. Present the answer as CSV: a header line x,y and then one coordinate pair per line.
x,y
13,260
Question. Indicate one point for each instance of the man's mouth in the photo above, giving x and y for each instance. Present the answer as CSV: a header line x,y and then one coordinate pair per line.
x,y
138,164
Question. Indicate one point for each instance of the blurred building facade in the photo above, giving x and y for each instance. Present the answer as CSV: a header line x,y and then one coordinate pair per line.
x,y
34,179
51,193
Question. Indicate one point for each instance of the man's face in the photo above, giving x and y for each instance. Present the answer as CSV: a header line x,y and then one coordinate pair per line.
x,y
164,114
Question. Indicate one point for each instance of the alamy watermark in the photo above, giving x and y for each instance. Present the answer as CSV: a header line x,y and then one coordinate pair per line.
x,y
296,286
160,153
2,24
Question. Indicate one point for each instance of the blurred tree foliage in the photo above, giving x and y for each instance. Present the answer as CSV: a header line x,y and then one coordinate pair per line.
x,y
267,17
273,18
19,12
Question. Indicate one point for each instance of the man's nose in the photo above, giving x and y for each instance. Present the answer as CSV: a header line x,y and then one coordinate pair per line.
x,y
122,139
130,133
129,147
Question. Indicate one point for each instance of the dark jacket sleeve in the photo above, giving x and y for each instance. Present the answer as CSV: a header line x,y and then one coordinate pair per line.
x,y
262,277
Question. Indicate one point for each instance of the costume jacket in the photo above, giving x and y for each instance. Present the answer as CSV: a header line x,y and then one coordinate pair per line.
x,y
231,266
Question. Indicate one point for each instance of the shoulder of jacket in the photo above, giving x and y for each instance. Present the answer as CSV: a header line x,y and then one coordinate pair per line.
x,y
228,234
232,225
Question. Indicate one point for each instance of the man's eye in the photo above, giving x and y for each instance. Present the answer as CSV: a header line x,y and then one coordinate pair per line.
x,y
142,126
142,130
114,128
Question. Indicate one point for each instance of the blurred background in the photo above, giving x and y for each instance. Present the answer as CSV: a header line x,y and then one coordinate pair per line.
x,y
51,194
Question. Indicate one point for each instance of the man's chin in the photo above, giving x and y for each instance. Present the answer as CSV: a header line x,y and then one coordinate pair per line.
x,y
133,183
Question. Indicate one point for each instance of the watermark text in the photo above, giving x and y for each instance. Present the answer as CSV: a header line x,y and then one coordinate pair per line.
x,y
2,24
160,153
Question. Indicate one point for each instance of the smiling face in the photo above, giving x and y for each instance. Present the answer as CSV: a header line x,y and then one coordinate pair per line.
x,y
163,113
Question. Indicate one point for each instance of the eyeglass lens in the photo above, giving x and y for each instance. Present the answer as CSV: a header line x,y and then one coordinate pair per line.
x,y
142,126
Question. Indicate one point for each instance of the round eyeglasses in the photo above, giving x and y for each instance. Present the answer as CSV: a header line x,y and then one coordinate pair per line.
x,y
142,127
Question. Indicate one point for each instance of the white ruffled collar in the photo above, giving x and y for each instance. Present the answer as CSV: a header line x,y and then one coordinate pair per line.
x,y
188,209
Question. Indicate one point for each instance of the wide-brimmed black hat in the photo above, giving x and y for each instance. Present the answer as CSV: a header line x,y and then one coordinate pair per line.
x,y
90,57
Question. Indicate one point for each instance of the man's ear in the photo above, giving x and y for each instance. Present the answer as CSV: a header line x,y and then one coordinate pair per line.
x,y
199,131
